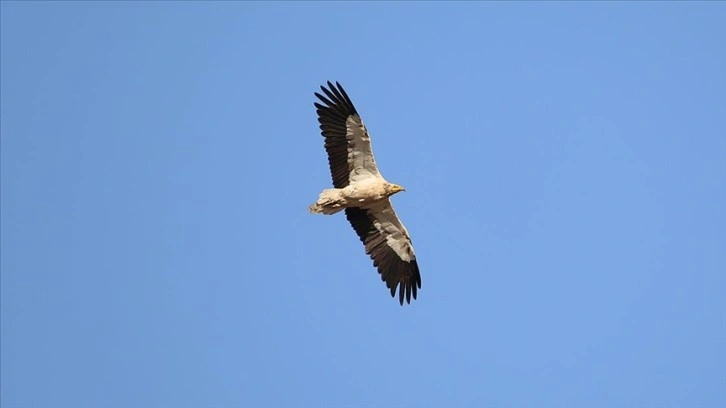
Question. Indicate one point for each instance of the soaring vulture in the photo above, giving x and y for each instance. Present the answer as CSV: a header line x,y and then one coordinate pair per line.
x,y
362,191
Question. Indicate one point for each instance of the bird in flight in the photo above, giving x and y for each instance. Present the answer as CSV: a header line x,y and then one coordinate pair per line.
x,y
361,190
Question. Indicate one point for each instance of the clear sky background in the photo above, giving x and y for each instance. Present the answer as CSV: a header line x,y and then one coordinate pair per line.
x,y
565,166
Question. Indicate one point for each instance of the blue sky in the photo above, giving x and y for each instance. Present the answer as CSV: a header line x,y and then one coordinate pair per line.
x,y
565,166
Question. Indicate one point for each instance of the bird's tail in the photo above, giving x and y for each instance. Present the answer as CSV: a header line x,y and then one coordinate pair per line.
x,y
328,203
317,208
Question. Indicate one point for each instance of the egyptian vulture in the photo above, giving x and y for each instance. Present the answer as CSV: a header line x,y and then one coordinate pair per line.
x,y
361,190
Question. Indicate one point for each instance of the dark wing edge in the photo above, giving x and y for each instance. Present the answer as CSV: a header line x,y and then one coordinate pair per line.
x,y
396,272
332,116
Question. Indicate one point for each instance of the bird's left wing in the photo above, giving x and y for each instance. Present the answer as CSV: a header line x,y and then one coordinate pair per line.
x,y
389,246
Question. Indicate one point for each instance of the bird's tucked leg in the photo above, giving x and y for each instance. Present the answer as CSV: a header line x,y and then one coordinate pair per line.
x,y
330,202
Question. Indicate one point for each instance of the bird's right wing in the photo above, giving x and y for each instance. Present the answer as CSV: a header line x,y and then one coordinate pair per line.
x,y
347,142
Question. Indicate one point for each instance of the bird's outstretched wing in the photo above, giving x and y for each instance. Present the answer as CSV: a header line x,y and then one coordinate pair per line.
x,y
388,244
347,143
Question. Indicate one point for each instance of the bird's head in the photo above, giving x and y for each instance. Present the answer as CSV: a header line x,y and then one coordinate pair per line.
x,y
395,188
